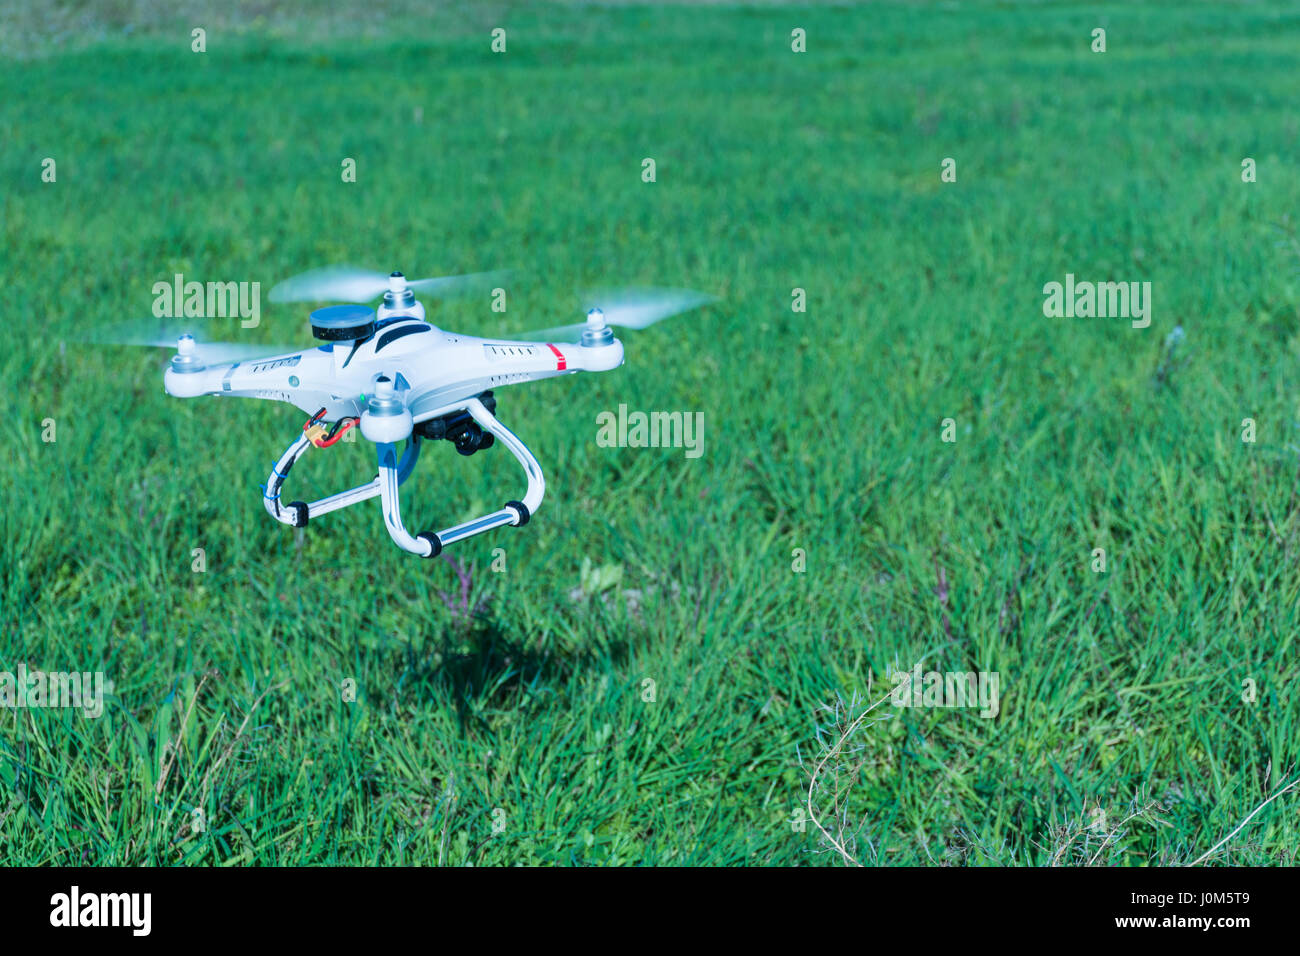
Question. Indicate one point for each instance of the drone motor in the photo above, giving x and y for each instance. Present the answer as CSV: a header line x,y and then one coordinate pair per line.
x,y
400,300
386,418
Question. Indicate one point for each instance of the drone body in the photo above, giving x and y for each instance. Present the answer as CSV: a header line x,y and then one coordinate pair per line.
x,y
429,367
400,378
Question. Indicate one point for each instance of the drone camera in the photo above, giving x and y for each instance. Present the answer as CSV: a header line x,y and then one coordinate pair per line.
x,y
471,438
460,429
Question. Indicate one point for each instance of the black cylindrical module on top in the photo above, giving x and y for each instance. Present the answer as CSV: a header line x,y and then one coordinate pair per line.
x,y
343,323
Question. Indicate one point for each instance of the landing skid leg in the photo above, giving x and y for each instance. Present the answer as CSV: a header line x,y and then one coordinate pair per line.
x,y
428,544
298,513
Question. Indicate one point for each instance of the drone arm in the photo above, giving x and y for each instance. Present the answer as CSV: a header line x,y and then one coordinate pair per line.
x,y
536,480
429,544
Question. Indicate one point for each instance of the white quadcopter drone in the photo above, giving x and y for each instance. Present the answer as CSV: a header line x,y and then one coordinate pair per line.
x,y
399,378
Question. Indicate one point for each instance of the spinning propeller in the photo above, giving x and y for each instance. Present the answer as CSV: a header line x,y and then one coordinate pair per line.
x,y
350,284
624,308
187,340
630,308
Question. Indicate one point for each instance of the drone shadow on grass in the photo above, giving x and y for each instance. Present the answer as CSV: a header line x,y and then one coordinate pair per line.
x,y
483,663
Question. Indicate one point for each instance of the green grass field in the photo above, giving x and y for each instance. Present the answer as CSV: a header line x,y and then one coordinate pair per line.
x,y
649,681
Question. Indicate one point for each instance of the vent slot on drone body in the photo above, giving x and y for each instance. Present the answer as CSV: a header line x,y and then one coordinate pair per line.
x,y
279,363
510,351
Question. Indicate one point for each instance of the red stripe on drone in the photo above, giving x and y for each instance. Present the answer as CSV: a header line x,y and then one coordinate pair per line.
x,y
561,363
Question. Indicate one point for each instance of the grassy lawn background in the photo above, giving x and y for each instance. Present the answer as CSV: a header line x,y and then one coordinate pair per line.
x,y
822,432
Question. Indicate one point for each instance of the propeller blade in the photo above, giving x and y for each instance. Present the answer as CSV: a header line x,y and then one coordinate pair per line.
x,y
332,283
449,286
151,333
219,353
628,309
352,284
